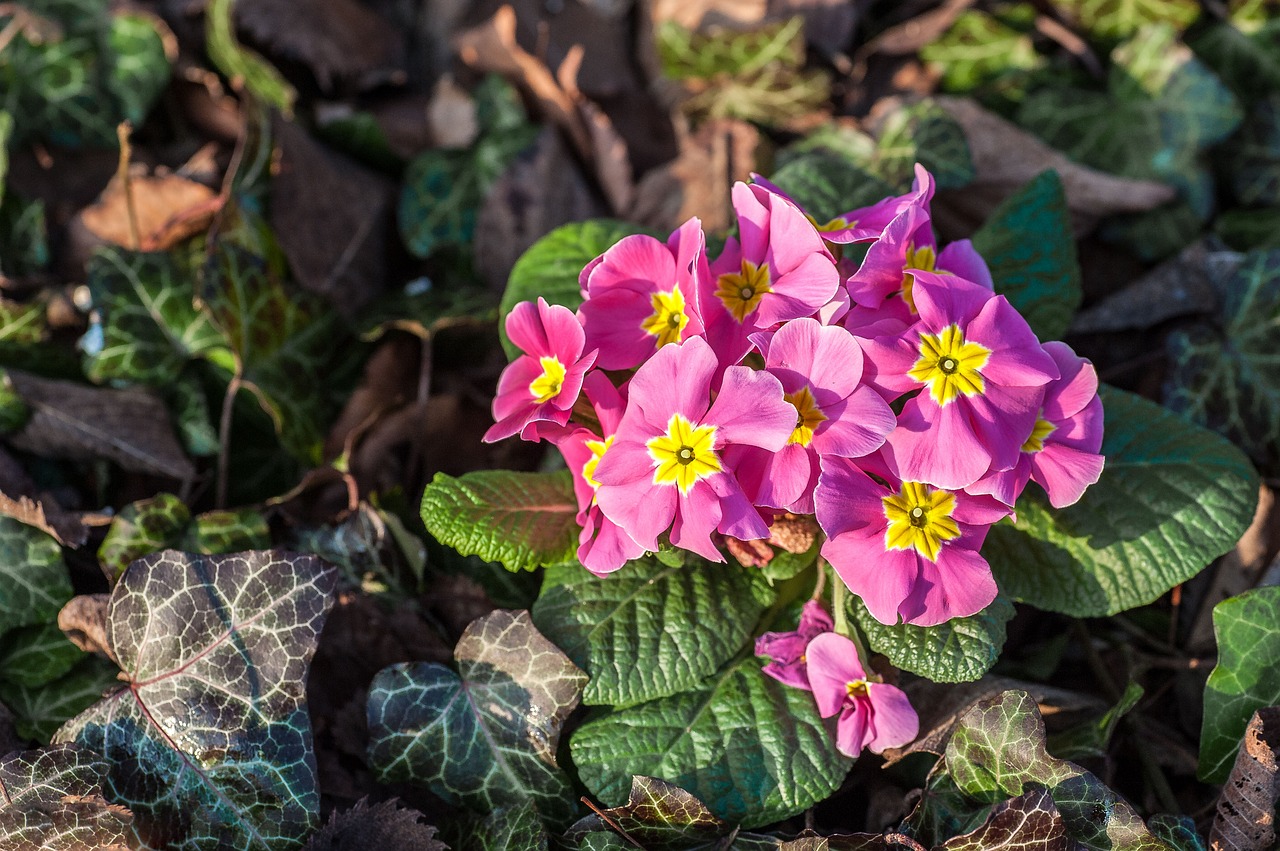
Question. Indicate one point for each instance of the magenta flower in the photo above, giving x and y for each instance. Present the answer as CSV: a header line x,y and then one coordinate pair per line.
x,y
865,223
873,715
906,548
820,368
1061,454
786,650
666,468
541,385
982,374
641,295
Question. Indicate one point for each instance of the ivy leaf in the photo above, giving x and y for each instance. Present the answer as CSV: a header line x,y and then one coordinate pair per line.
x,y
754,750
226,531
1090,739
141,70
41,709
33,580
1172,498
958,651
1178,832
1116,19
34,655
658,815
514,828
684,621
986,51
141,528
1028,821
924,133
52,799
551,266
210,743
1246,678
524,520
1028,244
997,751
485,737
1249,62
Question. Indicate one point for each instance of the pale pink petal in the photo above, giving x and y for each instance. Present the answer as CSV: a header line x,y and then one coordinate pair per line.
x,y
609,549
788,475
1064,472
974,508
1002,418
1005,485
848,500
961,259
613,323
1017,358
738,517
833,663
882,578
826,358
856,426
880,274
888,360
1077,387
637,261
957,585
945,453
525,329
800,292
697,515
894,722
1082,431
676,380
944,300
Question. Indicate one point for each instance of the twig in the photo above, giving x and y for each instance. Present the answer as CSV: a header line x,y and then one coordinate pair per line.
x,y
126,184
224,437
617,828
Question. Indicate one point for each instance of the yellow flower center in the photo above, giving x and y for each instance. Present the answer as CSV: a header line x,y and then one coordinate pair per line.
x,y
922,259
838,223
856,688
547,386
684,454
597,448
741,291
669,319
949,366
919,518
808,417
1042,429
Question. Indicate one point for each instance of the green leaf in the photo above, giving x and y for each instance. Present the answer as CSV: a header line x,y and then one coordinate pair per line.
x,y
524,520
141,70
825,181
1028,821
1172,498
1248,61
1246,678
982,50
24,238
922,133
238,62
1031,251
33,580
485,737
34,655
1249,230
550,268
658,815
1116,19
684,621
1178,832
210,744
224,531
53,801
1091,739
40,710
6,130
514,828
1251,159
958,651
997,751
141,528
14,412
754,750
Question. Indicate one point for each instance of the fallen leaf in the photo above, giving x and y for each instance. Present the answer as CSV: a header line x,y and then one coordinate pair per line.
x,y
167,209
1179,286
911,35
64,526
84,621
385,825
1245,818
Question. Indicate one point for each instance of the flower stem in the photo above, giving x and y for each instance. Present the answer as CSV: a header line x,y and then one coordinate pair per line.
x,y
840,615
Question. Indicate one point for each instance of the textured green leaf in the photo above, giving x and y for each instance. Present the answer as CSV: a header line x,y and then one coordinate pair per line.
x,y
923,133
141,70
141,528
34,655
52,800
754,750
958,651
210,743
226,531
238,62
826,179
33,580
40,710
524,520
1118,19
983,50
1172,498
1030,821
1246,678
485,737
550,268
1029,246
685,622
1091,739
514,828
997,751
657,815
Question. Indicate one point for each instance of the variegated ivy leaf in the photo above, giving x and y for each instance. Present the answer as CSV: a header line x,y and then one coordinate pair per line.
x,y
658,815
1028,821
34,655
486,736
150,525
51,799
33,580
209,744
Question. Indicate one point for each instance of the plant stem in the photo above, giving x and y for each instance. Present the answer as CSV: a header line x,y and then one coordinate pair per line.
x,y
224,439
840,614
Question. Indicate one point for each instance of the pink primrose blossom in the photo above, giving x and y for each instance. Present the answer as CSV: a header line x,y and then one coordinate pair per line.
x,y
786,649
981,372
541,386
641,295
875,716
666,470
1061,454
906,548
864,224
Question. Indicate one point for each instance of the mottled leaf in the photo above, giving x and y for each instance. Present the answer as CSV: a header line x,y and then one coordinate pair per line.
x,y
1172,498
52,800
210,743
1028,821
33,580
513,828
986,50
922,133
41,709
754,750
34,655
685,622
484,737
1248,61
1178,832
1251,159
226,531
658,815
141,528
958,651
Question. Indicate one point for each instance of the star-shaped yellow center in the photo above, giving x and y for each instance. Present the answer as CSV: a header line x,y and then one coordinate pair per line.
x,y
949,366
668,320
547,386
1042,429
808,417
684,454
919,518
741,291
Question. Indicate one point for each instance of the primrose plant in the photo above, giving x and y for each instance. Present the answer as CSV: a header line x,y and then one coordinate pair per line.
x,y
850,371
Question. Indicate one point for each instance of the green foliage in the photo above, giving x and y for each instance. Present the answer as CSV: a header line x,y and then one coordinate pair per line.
x,y
39,710
34,655
24,236
1028,245
53,801
1117,19
753,749
210,744
524,520
958,651
1250,230
33,580
1030,820
1092,738
142,528
658,815
13,411
1248,61
485,737
987,51
1172,497
825,177
232,58
226,531
651,612
514,828
1246,678
1251,159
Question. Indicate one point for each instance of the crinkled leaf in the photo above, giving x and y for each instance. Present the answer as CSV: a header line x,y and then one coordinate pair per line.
x,y
1122,18
1172,498
33,580
41,709
922,133
1178,832
983,50
1028,244
1028,821
524,520
34,655
685,622
141,528
754,750
658,815
238,62
52,800
997,751
210,743
550,268
958,651
486,736
1246,678
825,177
381,826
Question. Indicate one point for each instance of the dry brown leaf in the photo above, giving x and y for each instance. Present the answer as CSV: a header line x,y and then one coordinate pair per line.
x,y
84,621
909,36
167,209
64,527
794,533
1245,818
1180,286
754,553
698,14
698,182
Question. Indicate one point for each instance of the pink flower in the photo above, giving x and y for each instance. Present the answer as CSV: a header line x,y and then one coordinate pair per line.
x,y
641,295
906,548
982,374
541,385
665,468
786,650
1061,454
820,368
873,715
865,223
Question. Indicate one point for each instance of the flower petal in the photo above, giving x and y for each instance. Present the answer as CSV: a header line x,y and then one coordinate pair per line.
x,y
832,663
894,722
957,585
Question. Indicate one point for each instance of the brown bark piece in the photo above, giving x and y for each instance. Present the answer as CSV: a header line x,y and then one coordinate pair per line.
x,y
1245,820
